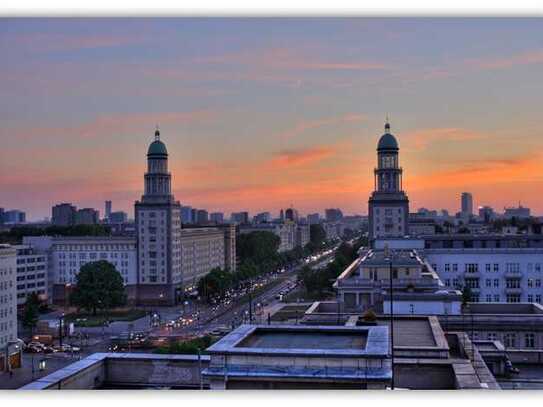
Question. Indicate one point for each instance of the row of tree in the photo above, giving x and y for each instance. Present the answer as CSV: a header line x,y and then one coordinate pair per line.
x,y
15,234
319,281
258,254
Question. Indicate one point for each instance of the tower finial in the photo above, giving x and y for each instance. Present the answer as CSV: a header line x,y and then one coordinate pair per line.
x,y
157,133
387,125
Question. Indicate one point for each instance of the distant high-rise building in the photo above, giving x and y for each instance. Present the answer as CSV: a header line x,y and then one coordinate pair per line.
x,y
313,218
63,214
194,215
14,216
263,217
108,210
291,214
467,204
87,216
333,214
202,216
1,216
487,214
118,217
388,206
186,215
217,217
520,212
240,217
281,215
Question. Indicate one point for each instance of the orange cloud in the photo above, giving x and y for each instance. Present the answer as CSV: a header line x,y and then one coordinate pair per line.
x,y
420,139
294,158
305,125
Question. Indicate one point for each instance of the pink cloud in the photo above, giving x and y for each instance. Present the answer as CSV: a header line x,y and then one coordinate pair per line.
x,y
525,58
294,158
420,139
305,125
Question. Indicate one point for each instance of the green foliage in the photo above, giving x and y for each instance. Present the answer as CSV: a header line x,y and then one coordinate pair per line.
x,y
369,316
15,234
188,347
319,281
257,246
216,282
317,235
98,286
31,311
466,295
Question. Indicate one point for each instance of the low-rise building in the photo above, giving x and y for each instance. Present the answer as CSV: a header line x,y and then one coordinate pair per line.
x,y
416,288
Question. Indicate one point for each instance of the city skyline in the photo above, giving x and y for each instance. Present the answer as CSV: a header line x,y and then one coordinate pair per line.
x,y
77,132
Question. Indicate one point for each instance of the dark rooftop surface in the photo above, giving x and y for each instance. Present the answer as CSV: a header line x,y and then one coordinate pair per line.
x,y
305,340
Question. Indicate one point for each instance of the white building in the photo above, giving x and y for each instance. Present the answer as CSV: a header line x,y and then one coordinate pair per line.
x,y
493,274
31,273
8,302
66,256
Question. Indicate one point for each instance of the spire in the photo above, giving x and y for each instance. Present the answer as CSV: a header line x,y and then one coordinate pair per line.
x,y
387,125
157,133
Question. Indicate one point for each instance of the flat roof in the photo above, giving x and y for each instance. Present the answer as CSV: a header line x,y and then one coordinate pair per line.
x,y
302,340
412,332
305,340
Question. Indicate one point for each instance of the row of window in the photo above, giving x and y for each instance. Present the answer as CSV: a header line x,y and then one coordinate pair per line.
x,y
489,267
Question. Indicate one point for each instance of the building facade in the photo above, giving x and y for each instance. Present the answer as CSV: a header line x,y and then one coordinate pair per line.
x,y
466,204
87,216
14,217
66,255
31,273
158,223
63,214
388,206
8,303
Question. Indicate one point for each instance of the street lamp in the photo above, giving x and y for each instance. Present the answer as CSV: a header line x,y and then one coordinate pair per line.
x,y
60,321
388,258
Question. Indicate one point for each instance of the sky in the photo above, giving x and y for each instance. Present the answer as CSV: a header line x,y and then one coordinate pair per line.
x,y
262,113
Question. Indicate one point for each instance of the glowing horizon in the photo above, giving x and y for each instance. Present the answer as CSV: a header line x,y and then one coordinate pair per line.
x,y
259,114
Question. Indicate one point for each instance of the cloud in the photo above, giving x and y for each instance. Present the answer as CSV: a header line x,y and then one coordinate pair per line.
x,y
300,157
418,140
304,125
525,58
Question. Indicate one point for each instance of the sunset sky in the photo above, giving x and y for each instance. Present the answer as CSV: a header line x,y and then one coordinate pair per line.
x,y
258,114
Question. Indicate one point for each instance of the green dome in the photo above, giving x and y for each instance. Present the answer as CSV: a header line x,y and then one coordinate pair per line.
x,y
157,147
387,140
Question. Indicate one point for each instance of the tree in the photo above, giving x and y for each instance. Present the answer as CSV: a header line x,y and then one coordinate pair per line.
x,y
317,235
466,295
98,286
216,282
31,311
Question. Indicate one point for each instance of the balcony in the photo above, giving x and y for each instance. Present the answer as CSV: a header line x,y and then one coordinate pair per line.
x,y
513,290
513,275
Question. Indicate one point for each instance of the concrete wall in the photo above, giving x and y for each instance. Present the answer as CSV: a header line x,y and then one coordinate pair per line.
x,y
424,377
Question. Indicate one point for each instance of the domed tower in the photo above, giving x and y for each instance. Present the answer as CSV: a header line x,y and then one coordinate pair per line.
x,y
157,178
388,206
158,233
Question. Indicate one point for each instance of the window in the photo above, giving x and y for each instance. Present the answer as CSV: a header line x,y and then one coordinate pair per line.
x,y
455,282
471,268
496,282
530,283
538,298
512,283
538,283
510,340
487,267
455,267
496,267
488,298
447,267
538,267
497,298
447,282
513,297
512,268
492,336
529,340
488,282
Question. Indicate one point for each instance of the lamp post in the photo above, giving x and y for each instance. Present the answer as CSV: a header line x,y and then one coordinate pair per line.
x,y
388,259
60,320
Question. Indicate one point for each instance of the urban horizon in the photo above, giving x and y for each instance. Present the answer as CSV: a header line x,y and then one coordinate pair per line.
x,y
310,140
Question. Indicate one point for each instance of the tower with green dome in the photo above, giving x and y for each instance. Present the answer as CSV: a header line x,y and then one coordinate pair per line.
x,y
388,206
158,226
